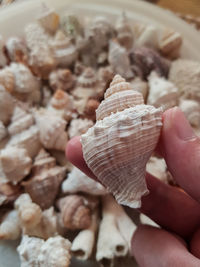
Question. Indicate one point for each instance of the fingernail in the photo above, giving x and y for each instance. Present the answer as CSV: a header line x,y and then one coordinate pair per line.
x,y
181,125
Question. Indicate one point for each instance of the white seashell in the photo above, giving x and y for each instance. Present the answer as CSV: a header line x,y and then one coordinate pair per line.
x,y
3,59
6,105
48,19
15,164
28,139
185,74
65,52
77,181
83,243
119,145
141,86
52,130
162,93
20,121
10,226
145,35
119,60
79,126
17,50
158,168
3,131
191,109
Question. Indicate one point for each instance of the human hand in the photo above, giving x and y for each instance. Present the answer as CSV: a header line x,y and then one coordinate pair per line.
x,y
178,213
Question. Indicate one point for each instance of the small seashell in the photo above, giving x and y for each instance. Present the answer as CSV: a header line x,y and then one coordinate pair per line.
x,y
10,226
124,31
7,79
140,86
162,93
20,121
75,212
65,52
77,181
71,25
52,129
6,105
191,109
119,60
61,79
105,76
158,168
44,182
87,79
90,108
79,126
170,43
15,164
17,50
145,35
185,74
3,131
120,144
8,193
146,59
3,59
48,19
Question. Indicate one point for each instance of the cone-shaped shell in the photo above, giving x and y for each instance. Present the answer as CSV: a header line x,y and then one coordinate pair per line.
x,y
61,79
118,146
87,79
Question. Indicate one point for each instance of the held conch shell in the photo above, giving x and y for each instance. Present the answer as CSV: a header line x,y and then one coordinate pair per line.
x,y
119,145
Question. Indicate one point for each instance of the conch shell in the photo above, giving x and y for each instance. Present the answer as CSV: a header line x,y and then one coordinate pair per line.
x,y
162,93
79,126
61,79
45,180
52,129
119,145
15,164
191,109
17,50
3,131
124,32
10,226
48,19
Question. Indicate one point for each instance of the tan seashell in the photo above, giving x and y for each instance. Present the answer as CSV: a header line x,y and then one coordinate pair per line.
x,y
8,193
61,79
158,168
122,142
3,131
162,93
3,59
185,74
119,60
65,52
79,126
48,19
15,164
145,35
17,50
10,226
75,212
77,181
140,86
7,79
90,108
6,105
191,109
52,129
87,79
20,121
170,43
124,31
43,184
28,139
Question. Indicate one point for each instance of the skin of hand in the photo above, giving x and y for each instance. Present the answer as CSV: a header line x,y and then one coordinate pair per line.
x,y
177,211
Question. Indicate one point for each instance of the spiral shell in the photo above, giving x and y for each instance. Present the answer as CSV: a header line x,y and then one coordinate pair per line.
x,y
48,19
75,212
191,109
7,79
124,32
6,105
52,129
119,145
61,79
17,50
3,131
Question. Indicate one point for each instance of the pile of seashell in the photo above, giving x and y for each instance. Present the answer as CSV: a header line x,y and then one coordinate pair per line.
x,y
51,83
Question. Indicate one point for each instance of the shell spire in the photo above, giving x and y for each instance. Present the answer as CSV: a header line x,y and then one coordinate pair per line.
x,y
119,145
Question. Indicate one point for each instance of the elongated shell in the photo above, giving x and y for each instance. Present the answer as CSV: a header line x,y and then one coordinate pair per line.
x,y
17,50
162,93
124,31
191,109
119,145
61,79
3,131
10,226
15,164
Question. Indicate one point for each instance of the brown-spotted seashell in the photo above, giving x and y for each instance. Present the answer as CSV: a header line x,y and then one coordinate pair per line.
x,y
119,145
90,108
3,59
48,19
7,79
145,60
8,193
124,31
45,180
17,50
119,60
75,212
61,79
65,53
20,121
3,131
79,126
162,93
6,105
185,74
170,43
191,109
10,226
52,129
145,35
15,164
141,86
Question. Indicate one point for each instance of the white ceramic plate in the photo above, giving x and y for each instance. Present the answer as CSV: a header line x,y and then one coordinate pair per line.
x,y
14,17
